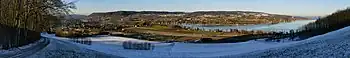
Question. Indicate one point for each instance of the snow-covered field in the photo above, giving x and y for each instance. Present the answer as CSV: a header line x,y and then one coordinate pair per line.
x,y
334,44
113,45
66,49
315,46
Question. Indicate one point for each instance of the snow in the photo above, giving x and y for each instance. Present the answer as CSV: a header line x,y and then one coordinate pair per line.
x,y
19,49
113,45
66,49
330,45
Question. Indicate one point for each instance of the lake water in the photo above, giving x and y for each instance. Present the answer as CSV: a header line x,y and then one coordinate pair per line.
x,y
280,27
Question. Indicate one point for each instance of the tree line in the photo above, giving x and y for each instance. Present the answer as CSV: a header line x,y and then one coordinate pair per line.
x,y
335,21
21,21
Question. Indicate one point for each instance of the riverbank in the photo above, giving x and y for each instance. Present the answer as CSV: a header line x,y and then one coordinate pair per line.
x,y
279,27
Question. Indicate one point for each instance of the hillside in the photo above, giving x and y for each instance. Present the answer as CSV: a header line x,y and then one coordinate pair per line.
x,y
330,45
200,17
335,21
328,38
75,16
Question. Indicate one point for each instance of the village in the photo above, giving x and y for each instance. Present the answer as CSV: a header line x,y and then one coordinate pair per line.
x,y
166,26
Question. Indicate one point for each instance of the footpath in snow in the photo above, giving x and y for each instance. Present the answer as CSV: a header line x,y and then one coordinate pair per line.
x,y
113,45
335,44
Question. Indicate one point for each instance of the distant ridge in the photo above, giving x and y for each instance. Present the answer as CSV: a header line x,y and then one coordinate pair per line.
x,y
197,17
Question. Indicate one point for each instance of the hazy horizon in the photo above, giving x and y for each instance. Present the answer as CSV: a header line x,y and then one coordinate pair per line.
x,y
285,7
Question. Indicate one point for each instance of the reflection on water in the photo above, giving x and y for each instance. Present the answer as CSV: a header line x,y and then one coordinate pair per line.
x,y
86,41
280,27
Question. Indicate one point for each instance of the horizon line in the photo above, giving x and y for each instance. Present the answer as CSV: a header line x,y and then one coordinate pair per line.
x,y
185,11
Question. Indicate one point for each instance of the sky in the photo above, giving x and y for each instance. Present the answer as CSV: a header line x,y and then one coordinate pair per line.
x,y
286,7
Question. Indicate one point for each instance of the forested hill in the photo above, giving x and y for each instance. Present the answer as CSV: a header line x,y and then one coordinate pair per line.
x,y
199,17
335,21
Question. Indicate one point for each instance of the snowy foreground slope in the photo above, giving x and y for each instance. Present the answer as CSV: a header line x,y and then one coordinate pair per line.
x,y
113,45
335,43
62,49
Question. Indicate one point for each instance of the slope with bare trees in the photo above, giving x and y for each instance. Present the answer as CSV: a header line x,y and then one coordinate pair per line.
x,y
21,21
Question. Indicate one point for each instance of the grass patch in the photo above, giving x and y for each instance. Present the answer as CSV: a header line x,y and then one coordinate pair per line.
x,y
198,32
158,27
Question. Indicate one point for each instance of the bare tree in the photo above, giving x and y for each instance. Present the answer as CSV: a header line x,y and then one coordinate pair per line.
x,y
29,18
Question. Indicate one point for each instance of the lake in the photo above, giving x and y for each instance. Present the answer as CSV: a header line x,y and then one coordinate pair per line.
x,y
280,27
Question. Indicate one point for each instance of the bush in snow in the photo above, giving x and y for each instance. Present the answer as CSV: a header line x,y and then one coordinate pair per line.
x,y
138,45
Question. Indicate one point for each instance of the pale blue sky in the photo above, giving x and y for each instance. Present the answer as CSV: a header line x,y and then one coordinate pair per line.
x,y
288,7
